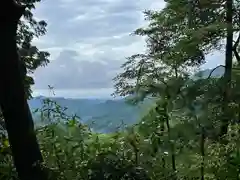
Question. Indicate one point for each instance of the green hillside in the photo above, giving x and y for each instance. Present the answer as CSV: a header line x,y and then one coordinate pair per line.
x,y
101,115
105,115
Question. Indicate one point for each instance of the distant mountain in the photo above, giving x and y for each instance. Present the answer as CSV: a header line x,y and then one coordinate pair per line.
x,y
218,72
107,115
100,115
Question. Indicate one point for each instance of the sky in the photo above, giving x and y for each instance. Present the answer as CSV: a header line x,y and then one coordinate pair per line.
x,y
88,41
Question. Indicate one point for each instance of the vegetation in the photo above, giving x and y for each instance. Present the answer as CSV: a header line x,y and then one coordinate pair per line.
x,y
100,115
13,92
191,130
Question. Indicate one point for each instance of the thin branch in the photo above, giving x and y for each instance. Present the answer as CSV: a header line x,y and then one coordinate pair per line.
x,y
210,74
235,48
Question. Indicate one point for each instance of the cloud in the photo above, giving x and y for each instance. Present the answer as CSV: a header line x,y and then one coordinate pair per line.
x,y
80,20
88,41
66,72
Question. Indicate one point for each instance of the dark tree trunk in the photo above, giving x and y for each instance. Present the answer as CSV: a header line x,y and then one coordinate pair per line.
x,y
14,106
228,67
202,148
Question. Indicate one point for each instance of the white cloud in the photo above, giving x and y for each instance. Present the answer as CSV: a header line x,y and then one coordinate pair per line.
x,y
88,41
75,93
55,51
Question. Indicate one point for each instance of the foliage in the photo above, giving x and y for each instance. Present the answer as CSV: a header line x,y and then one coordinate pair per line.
x,y
101,115
178,138
31,56
72,151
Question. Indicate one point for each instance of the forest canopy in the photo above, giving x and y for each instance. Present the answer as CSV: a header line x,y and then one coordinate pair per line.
x,y
190,131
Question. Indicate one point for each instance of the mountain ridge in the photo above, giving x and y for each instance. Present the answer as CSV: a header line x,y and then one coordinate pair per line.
x,y
108,114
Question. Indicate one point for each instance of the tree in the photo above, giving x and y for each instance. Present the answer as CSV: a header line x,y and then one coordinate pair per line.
x,y
228,66
178,38
13,98
31,56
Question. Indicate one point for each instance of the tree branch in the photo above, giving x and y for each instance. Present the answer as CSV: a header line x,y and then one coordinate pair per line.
x,y
210,74
235,48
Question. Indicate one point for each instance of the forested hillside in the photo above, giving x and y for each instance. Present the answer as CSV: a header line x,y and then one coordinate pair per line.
x,y
99,114
107,115
179,127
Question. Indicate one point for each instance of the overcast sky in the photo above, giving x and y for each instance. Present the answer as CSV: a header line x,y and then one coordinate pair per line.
x,y
88,40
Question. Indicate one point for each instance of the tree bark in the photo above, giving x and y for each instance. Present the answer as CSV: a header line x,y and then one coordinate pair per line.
x,y
228,67
202,149
13,102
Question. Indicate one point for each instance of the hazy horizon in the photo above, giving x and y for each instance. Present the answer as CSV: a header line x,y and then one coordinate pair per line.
x,y
76,93
101,93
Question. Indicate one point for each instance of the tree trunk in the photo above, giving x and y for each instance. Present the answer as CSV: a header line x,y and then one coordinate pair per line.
x,y
14,106
228,67
202,149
